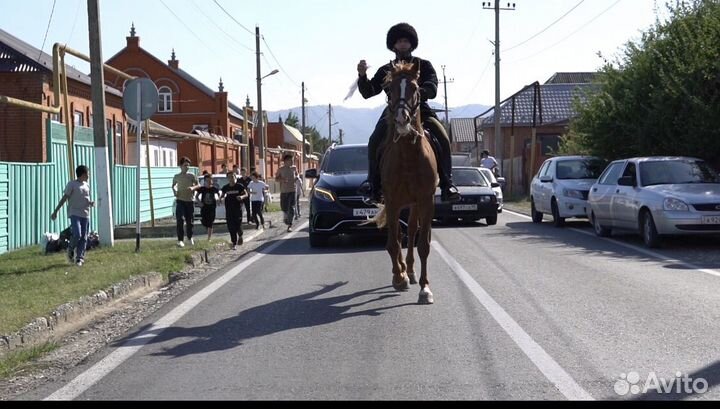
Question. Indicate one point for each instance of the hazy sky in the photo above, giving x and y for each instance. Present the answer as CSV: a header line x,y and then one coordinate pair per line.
x,y
321,41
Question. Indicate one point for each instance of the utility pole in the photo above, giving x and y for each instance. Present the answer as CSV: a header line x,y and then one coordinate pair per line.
x,y
445,82
498,137
340,141
260,125
329,124
304,161
102,164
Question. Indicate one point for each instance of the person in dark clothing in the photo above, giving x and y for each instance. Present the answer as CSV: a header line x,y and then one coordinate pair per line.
x,y
402,39
234,193
207,195
245,180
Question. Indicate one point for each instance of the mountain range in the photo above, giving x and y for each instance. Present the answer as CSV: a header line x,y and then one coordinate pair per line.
x,y
358,123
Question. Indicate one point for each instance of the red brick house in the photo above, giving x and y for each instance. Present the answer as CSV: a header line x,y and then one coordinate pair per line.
x,y
187,105
26,74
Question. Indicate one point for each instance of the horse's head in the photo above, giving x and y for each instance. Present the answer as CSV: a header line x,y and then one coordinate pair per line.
x,y
404,95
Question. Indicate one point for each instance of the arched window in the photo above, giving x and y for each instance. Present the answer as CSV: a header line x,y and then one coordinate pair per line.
x,y
165,102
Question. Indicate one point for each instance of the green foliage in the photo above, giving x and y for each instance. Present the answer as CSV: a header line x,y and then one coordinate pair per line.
x,y
661,96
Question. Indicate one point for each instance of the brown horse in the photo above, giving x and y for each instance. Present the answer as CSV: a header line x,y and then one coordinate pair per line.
x,y
408,171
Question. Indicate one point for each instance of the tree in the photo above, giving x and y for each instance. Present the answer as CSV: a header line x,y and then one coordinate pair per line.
x,y
317,142
662,97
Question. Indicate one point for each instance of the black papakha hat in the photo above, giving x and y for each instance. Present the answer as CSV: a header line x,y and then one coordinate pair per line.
x,y
401,30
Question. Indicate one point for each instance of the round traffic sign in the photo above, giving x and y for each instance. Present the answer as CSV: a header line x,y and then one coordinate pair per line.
x,y
148,92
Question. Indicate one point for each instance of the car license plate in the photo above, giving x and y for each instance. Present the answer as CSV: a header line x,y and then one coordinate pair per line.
x,y
466,207
366,212
711,220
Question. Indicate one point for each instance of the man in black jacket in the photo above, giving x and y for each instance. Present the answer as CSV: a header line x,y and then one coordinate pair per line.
x,y
402,40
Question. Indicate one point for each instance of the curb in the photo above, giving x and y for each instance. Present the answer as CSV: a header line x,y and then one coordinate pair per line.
x,y
74,315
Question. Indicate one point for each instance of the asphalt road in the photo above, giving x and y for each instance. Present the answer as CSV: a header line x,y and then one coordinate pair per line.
x,y
522,311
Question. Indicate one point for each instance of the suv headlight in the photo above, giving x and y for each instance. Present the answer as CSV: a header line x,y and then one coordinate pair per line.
x,y
324,194
572,193
673,204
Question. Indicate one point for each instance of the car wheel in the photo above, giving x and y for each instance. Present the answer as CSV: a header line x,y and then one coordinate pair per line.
x,y
557,220
317,240
491,221
647,228
600,230
536,216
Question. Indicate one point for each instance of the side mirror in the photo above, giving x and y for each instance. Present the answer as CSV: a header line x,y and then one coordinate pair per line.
x,y
546,179
311,174
626,181
501,180
493,184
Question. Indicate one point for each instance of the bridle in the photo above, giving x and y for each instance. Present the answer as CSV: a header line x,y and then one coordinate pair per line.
x,y
404,107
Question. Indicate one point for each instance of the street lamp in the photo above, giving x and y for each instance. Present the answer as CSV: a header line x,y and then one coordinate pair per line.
x,y
260,118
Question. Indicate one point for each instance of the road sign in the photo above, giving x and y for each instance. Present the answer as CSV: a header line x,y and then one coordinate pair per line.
x,y
140,98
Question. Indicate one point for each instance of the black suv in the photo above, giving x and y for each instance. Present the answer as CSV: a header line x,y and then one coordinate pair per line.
x,y
335,205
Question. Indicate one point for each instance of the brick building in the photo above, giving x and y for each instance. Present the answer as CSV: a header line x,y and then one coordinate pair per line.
x,y
26,74
186,105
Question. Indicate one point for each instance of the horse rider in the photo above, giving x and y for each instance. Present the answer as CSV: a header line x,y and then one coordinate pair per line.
x,y
402,39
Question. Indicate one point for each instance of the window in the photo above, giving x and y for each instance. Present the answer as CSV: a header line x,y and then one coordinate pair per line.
x,y
119,142
611,174
79,118
165,101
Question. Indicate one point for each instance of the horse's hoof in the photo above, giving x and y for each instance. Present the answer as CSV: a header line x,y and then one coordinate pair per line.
x,y
403,285
413,280
426,296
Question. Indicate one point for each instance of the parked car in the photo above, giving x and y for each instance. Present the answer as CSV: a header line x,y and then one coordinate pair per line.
x,y
335,206
219,180
656,196
561,187
490,176
478,198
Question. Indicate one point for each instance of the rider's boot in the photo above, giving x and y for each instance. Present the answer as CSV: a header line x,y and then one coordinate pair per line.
x,y
372,188
448,191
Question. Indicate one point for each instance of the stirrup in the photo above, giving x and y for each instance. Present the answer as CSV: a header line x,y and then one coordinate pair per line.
x,y
365,188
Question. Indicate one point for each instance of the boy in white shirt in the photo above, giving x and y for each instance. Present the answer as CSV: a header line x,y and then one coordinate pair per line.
x,y
257,190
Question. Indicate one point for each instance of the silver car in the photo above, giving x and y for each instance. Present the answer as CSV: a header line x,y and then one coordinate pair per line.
x,y
656,196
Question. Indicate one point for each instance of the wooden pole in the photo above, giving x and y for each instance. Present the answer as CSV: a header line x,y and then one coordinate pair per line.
x,y
68,116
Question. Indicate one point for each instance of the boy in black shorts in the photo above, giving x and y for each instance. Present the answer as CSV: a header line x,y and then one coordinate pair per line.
x,y
207,195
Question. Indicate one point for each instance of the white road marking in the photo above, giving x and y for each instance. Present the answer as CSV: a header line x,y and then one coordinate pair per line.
x,y
101,369
542,360
636,248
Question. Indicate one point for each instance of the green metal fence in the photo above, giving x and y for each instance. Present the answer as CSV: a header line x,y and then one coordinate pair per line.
x,y
29,192
4,206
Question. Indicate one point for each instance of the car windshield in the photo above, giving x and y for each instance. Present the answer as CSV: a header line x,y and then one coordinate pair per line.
x,y
488,174
667,172
580,169
469,177
350,160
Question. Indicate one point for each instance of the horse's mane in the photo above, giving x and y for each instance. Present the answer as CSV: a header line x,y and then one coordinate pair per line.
x,y
398,68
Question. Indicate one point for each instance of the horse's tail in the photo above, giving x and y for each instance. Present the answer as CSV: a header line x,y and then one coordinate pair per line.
x,y
380,219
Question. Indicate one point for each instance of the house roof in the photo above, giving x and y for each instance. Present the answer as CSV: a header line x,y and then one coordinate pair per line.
x,y
556,101
32,59
573,78
233,109
462,130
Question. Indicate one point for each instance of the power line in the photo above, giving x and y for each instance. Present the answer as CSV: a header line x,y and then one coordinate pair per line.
x,y
569,35
72,30
233,18
220,28
545,29
188,28
47,30
482,75
278,62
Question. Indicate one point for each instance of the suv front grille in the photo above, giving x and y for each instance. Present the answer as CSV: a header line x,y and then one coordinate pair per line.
x,y
707,207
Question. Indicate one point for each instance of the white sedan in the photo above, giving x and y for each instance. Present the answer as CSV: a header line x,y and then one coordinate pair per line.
x,y
561,187
490,176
